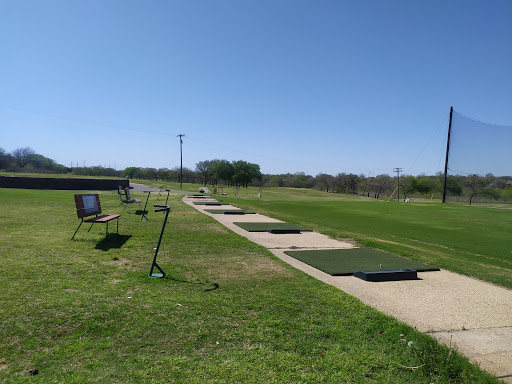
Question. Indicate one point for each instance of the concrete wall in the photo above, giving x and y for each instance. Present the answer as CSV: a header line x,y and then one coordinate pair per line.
x,y
62,183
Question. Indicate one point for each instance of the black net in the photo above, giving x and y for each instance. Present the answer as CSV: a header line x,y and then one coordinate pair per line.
x,y
479,148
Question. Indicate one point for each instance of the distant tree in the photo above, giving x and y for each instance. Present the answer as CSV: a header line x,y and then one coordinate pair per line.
x,y
254,173
408,184
3,158
41,162
424,184
353,182
164,174
277,181
206,169
130,172
323,181
189,176
475,185
244,173
380,184
22,156
298,180
223,170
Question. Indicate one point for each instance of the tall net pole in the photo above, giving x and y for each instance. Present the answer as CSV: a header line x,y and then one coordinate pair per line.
x,y
181,160
447,153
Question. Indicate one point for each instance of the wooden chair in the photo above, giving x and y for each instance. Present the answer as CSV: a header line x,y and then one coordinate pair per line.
x,y
89,205
127,200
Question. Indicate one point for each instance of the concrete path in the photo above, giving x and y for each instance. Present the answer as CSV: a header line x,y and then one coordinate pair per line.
x,y
141,188
470,314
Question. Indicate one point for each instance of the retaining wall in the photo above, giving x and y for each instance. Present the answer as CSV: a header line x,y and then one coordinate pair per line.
x,y
62,183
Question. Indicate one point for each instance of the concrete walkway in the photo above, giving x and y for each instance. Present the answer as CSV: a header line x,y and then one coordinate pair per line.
x,y
470,314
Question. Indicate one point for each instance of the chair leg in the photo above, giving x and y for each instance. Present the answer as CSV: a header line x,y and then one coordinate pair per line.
x,y
90,227
79,225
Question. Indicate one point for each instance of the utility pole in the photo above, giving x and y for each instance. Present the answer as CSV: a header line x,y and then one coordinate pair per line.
x,y
397,170
181,159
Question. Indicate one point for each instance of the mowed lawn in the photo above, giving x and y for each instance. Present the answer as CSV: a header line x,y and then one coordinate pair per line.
x,y
473,240
85,311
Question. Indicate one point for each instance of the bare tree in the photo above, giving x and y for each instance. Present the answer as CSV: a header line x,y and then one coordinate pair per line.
x,y
22,155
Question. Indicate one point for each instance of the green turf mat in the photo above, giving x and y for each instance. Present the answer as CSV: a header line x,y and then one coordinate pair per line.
x,y
223,211
209,203
341,262
264,227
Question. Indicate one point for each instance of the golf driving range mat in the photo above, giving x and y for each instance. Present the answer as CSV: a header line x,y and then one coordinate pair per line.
x,y
344,262
271,227
229,211
209,203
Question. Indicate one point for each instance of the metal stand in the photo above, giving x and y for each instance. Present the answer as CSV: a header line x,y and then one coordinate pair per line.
x,y
145,205
160,192
167,209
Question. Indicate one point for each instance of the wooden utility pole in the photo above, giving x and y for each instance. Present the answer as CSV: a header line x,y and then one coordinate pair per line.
x,y
397,170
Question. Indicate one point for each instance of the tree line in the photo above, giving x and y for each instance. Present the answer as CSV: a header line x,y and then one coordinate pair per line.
x,y
240,173
25,159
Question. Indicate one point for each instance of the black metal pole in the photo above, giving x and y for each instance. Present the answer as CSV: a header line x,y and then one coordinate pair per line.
x,y
447,153
167,209
144,211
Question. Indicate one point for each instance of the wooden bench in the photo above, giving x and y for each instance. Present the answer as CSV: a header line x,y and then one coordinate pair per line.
x,y
126,193
89,205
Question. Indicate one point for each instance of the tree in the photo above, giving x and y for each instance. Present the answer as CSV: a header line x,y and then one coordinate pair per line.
x,y
206,169
223,170
408,184
424,184
22,156
323,181
277,181
379,184
340,182
475,185
164,174
130,172
244,173
5,159
353,182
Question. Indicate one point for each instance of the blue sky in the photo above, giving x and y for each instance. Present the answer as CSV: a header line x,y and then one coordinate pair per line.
x,y
292,85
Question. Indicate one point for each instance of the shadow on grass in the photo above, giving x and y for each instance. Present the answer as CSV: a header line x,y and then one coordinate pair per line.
x,y
213,286
140,212
112,241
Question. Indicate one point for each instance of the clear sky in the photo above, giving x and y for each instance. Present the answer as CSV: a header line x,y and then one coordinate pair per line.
x,y
292,85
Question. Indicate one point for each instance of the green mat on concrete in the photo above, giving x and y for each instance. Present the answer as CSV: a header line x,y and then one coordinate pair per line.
x,y
223,211
343,262
264,227
209,203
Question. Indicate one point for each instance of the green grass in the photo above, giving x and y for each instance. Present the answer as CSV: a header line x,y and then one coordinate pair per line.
x,y
85,311
340,262
471,240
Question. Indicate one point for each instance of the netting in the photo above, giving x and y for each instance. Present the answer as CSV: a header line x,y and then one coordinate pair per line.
x,y
479,148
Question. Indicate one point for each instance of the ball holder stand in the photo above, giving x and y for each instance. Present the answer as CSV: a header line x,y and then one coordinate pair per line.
x,y
145,205
166,209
